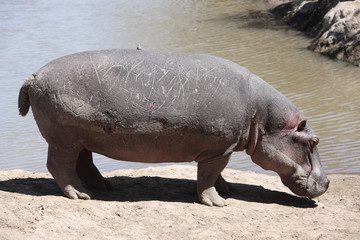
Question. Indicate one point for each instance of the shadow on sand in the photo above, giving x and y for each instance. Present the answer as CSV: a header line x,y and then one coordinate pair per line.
x,y
135,189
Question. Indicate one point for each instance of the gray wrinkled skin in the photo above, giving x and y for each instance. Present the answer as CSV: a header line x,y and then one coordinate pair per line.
x,y
164,107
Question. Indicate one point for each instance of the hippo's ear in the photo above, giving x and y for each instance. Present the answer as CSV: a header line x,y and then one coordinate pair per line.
x,y
301,125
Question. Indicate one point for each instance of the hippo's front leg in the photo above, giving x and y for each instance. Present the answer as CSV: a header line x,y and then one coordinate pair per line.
x,y
61,163
208,177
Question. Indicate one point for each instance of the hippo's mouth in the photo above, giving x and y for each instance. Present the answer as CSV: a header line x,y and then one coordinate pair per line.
x,y
308,189
317,183
298,184
310,185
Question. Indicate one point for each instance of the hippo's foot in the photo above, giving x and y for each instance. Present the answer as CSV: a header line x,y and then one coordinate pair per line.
x,y
76,193
209,177
88,172
211,198
61,164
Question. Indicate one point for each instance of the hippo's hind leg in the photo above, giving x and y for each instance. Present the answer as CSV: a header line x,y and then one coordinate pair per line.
x,y
61,164
209,177
88,172
222,186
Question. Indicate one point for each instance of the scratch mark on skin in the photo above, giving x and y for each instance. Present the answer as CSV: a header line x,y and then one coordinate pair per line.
x,y
97,74
171,88
129,71
159,107
123,68
111,85
117,75
145,99
179,77
208,74
152,82
187,82
172,102
138,106
158,94
136,77
108,70
217,87
160,79
113,66
80,72
164,73
171,82
183,82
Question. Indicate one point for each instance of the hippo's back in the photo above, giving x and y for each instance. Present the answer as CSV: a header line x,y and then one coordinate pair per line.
x,y
125,88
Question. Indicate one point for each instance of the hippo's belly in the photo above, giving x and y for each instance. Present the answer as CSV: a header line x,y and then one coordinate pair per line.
x,y
170,145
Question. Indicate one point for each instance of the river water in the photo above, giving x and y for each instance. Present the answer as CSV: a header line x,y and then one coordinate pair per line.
x,y
33,32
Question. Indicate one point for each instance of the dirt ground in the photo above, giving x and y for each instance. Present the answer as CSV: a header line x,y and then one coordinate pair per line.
x,y
161,203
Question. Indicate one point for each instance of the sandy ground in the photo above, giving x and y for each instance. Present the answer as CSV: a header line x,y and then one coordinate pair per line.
x,y
161,203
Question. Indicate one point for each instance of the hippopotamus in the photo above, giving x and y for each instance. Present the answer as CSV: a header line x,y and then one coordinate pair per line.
x,y
156,107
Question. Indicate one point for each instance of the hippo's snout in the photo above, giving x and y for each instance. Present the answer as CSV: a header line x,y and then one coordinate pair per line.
x,y
317,182
308,184
316,186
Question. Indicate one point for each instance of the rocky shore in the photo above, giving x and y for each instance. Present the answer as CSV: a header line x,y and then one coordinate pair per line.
x,y
334,25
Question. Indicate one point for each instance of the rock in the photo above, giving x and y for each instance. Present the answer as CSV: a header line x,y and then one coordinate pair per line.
x,y
335,25
339,36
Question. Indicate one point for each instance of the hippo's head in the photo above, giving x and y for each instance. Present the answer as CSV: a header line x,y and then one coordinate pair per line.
x,y
290,150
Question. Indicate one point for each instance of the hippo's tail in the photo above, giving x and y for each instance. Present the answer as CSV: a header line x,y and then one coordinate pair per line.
x,y
24,100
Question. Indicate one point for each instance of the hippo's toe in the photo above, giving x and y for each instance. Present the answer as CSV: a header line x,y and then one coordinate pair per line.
x,y
73,193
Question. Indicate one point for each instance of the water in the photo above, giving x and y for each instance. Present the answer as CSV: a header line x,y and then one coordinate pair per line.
x,y
35,32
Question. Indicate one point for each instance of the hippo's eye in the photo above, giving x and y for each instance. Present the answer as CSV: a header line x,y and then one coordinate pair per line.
x,y
301,126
